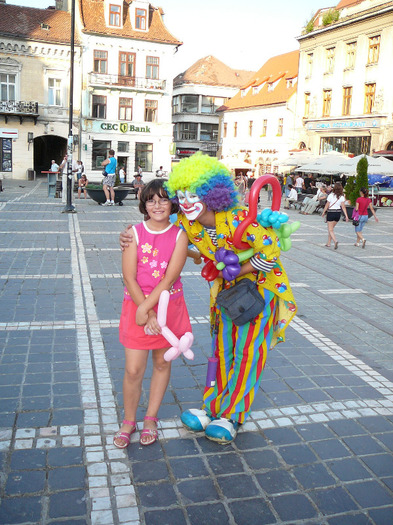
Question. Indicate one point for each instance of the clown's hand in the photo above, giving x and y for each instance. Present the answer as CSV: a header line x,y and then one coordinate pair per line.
x,y
284,234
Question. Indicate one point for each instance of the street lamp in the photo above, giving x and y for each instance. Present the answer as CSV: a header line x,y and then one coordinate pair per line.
x,y
69,208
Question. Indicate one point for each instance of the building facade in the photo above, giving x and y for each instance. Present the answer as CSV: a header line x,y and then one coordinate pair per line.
x,y
257,124
345,101
197,94
35,72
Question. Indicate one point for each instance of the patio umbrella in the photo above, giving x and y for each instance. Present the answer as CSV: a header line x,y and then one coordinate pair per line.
x,y
233,163
298,158
327,164
376,166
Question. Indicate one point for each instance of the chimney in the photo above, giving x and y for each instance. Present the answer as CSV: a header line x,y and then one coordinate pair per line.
x,y
63,5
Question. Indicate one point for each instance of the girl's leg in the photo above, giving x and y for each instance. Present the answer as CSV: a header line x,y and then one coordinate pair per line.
x,y
158,385
136,361
331,235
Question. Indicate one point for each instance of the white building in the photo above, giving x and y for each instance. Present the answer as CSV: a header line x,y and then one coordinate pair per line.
x,y
257,124
197,94
345,99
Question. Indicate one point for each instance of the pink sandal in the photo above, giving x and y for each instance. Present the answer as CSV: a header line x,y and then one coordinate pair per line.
x,y
149,432
124,436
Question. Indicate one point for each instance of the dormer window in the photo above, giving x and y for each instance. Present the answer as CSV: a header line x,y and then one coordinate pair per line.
x,y
271,86
140,19
114,15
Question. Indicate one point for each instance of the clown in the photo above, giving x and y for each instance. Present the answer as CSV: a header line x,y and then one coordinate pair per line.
x,y
210,214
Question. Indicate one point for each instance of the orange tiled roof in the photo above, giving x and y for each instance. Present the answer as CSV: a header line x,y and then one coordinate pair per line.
x,y
25,23
347,3
211,71
277,69
93,19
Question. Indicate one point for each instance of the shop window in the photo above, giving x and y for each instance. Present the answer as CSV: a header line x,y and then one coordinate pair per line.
x,y
369,98
350,56
151,110
306,105
54,92
6,155
125,108
99,107
8,87
330,52
354,145
373,49
250,124
100,153
264,128
140,19
114,15
327,100
189,103
100,61
144,156
347,100
153,68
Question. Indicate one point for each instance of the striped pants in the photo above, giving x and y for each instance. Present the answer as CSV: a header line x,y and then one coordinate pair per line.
x,y
241,352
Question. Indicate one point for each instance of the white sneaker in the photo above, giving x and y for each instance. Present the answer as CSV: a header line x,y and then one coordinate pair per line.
x,y
112,203
107,203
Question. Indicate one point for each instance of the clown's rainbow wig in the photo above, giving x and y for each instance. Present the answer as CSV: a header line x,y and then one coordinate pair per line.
x,y
206,177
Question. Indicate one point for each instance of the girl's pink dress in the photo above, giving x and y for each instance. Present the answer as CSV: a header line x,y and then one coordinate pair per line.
x,y
153,254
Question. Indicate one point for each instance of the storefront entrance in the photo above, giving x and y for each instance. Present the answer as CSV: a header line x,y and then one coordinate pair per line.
x,y
46,148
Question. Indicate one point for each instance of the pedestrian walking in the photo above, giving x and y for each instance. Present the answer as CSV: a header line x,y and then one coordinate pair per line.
x,y
335,203
363,203
109,178
151,264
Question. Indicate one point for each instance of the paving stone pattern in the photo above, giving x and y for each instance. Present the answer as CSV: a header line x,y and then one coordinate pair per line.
x,y
317,448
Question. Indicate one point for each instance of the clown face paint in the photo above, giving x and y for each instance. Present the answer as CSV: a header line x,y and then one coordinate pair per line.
x,y
190,204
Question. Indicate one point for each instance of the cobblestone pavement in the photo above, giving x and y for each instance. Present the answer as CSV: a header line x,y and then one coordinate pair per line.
x,y
317,449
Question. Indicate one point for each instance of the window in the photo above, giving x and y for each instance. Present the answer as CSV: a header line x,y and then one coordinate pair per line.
x,y
151,107
100,153
306,105
54,92
264,128
250,128
175,104
153,68
209,132
127,66
327,99
225,129
140,19
125,108
211,104
309,63
347,99
123,147
6,154
280,128
186,131
373,49
369,98
8,87
355,145
189,103
114,15
330,60
144,156
350,56
235,129
100,61
99,106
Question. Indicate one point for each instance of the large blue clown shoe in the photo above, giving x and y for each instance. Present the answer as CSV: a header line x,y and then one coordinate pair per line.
x,y
195,420
222,430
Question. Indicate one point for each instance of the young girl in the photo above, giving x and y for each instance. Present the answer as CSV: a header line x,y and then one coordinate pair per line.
x,y
150,265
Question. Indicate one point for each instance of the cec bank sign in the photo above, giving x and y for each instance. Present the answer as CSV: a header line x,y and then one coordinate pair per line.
x,y
122,127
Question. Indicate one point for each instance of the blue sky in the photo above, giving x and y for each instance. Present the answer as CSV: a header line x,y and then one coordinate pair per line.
x,y
242,34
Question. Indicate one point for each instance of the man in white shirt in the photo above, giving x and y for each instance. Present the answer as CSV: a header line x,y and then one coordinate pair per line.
x,y
54,166
292,197
299,184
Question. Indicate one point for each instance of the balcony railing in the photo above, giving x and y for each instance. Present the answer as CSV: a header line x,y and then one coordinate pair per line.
x,y
99,79
19,109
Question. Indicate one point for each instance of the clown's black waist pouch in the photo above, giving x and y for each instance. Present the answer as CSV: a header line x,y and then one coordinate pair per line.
x,y
242,302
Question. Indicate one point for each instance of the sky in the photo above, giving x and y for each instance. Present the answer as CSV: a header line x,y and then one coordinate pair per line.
x,y
243,34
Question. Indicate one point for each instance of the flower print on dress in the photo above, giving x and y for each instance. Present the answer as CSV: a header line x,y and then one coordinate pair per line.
x,y
146,248
156,274
145,259
164,265
153,264
155,252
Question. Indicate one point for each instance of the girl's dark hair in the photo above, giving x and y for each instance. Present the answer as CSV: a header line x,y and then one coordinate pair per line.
x,y
155,187
364,191
338,189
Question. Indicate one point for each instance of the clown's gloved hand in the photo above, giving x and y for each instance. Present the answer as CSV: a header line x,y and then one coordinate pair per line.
x,y
228,263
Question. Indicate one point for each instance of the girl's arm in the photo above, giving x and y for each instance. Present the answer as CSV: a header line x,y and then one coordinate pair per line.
x,y
373,212
172,273
344,209
325,208
129,266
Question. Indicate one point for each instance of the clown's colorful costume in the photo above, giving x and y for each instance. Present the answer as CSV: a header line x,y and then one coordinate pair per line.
x,y
241,350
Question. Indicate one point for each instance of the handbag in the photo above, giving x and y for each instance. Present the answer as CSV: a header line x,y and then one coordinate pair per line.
x,y
242,302
355,217
104,173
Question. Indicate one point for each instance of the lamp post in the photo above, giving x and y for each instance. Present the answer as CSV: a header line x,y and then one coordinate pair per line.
x,y
69,208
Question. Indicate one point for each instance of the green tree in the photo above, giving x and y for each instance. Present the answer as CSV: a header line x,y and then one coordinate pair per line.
x,y
361,175
349,190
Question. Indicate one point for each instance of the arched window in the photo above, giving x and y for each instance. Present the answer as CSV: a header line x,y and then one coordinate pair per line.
x,y
389,146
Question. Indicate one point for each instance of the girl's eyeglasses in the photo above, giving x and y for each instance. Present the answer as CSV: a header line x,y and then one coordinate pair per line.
x,y
160,202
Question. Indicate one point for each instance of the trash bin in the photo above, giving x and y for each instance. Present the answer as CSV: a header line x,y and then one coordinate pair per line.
x,y
52,177
30,174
